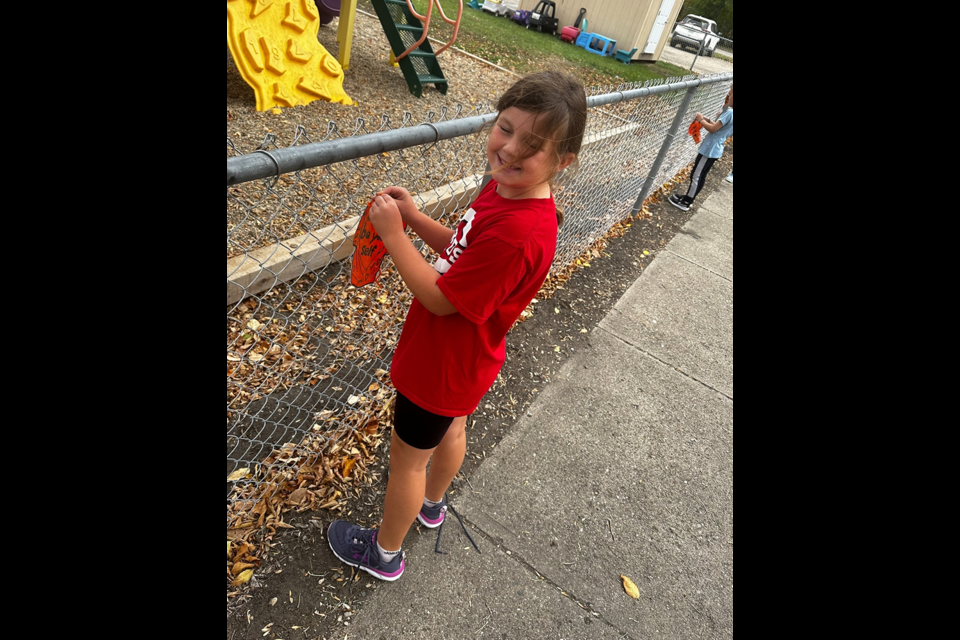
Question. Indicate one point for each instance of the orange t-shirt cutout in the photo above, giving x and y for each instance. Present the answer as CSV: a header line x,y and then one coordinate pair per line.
x,y
369,253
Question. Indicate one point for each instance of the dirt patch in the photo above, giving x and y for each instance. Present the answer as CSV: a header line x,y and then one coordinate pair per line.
x,y
301,590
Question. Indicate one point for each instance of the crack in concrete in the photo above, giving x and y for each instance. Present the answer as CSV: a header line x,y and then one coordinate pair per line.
x,y
510,553
707,269
667,364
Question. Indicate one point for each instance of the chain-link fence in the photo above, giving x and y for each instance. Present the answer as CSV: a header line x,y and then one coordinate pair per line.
x,y
724,49
308,354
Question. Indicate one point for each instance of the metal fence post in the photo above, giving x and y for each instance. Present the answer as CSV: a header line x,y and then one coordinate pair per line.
x,y
678,122
699,53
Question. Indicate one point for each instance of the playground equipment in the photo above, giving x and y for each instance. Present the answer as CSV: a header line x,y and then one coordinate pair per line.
x,y
329,9
475,4
544,17
626,56
522,18
570,34
501,7
576,25
406,30
596,43
275,47
276,50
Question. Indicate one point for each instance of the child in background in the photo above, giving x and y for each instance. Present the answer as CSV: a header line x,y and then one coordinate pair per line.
x,y
711,150
453,344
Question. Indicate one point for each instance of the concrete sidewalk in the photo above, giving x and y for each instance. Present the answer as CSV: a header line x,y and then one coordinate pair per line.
x,y
623,466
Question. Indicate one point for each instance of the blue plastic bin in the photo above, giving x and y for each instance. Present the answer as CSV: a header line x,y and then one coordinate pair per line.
x,y
598,44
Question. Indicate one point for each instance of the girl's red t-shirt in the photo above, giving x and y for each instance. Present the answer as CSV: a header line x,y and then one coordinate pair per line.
x,y
496,263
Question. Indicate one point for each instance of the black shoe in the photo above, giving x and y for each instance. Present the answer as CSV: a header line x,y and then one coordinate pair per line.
x,y
678,202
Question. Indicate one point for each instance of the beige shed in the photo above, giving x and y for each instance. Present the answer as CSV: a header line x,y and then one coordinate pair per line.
x,y
642,24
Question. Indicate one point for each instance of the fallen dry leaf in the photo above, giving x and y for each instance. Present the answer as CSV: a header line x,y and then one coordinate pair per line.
x,y
298,496
243,578
632,590
347,466
237,475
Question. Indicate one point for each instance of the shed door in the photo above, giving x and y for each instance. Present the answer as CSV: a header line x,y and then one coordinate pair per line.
x,y
660,25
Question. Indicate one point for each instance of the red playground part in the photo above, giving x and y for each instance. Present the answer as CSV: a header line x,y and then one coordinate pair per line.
x,y
570,34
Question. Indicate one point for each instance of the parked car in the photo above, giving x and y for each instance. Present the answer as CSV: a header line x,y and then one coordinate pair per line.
x,y
501,7
691,32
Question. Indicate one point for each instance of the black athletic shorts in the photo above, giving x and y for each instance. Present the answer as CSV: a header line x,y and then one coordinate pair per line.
x,y
418,427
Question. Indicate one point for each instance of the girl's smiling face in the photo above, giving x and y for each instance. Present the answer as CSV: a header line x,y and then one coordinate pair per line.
x,y
522,162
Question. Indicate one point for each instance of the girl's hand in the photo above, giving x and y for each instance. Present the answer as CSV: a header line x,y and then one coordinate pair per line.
x,y
404,202
385,216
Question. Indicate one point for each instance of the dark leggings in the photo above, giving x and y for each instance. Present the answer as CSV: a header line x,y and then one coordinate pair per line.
x,y
699,177
418,427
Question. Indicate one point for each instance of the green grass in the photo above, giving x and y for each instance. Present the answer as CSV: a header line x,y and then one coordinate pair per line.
x,y
507,44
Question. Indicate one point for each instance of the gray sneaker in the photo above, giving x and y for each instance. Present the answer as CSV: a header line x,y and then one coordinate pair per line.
x,y
433,517
358,548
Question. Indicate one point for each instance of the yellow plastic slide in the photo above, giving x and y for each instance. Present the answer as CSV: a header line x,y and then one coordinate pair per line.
x,y
274,44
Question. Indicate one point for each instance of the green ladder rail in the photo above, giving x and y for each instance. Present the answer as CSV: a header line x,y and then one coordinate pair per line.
x,y
406,33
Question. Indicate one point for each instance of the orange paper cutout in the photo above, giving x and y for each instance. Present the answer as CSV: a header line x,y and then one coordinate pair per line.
x,y
369,253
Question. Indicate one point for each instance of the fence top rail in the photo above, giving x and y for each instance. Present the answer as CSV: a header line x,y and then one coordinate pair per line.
x,y
270,164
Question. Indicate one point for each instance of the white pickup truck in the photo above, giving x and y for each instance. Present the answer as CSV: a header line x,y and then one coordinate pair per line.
x,y
691,32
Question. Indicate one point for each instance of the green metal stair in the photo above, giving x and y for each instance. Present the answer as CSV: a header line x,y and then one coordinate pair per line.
x,y
403,30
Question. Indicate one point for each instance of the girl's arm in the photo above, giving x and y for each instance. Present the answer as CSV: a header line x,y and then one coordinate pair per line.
x,y
436,235
710,125
417,274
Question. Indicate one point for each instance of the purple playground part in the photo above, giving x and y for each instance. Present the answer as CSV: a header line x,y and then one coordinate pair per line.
x,y
329,9
522,18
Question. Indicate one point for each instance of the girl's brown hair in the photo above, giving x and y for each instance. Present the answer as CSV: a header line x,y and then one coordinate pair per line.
x,y
560,102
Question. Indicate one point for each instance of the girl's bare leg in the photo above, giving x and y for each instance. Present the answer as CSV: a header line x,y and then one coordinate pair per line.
x,y
405,491
447,460
409,483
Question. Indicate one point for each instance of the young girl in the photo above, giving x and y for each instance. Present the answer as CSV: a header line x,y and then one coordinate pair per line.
x,y
711,150
453,343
